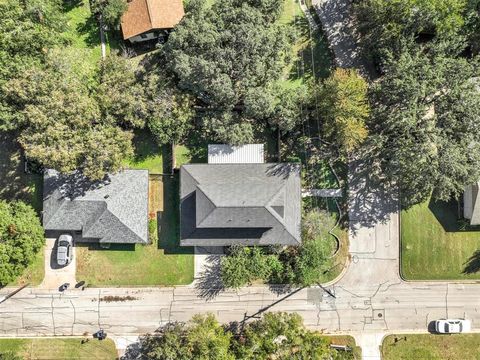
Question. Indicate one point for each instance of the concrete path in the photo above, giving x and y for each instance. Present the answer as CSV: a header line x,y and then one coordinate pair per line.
x,y
207,260
337,23
55,275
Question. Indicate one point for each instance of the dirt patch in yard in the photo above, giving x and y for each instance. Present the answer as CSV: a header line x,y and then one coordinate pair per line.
x,y
155,195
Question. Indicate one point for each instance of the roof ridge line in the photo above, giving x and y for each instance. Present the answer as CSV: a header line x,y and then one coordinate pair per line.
x,y
148,12
208,198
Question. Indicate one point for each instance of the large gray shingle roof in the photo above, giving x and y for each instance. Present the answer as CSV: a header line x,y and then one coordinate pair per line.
x,y
248,204
114,210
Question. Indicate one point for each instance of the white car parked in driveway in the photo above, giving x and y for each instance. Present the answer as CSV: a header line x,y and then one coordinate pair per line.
x,y
452,326
64,250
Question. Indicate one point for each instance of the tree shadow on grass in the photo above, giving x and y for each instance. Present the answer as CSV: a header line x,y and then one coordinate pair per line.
x,y
90,28
197,146
210,284
315,58
472,266
69,5
15,184
169,219
145,146
449,216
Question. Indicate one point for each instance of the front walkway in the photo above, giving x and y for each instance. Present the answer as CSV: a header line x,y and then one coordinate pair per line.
x,y
55,275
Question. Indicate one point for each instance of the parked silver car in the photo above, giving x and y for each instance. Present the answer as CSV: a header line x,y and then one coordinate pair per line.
x,y
64,250
452,326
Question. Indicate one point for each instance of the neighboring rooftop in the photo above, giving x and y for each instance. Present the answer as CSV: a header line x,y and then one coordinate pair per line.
x,y
244,154
114,210
471,203
145,15
247,204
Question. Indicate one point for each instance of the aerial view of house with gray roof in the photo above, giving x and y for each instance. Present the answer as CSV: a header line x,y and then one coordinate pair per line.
x,y
246,204
113,210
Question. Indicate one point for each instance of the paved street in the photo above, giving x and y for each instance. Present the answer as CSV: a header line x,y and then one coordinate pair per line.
x,y
370,299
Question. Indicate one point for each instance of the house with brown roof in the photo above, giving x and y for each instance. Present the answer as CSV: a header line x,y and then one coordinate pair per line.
x,y
149,19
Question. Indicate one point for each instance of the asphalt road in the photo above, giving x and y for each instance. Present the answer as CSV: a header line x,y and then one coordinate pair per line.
x,y
370,299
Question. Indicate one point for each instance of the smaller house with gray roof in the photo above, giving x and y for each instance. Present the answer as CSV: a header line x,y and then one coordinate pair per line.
x,y
471,203
246,204
113,210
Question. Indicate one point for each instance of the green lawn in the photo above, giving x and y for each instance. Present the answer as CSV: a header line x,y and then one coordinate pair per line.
x,y
435,246
431,347
34,273
83,34
311,56
163,262
147,153
59,348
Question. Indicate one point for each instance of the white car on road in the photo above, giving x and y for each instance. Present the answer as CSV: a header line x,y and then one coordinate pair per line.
x,y
452,326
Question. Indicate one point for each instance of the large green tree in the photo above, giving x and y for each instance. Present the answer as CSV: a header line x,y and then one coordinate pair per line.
x,y
473,25
385,23
343,109
281,336
245,264
28,30
274,336
201,338
21,237
170,110
226,54
426,121
110,11
120,94
63,127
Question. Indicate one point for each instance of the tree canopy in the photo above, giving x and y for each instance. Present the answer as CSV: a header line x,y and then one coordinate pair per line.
x,y
274,336
63,125
28,31
21,237
281,336
385,23
343,109
110,10
202,338
426,121
225,56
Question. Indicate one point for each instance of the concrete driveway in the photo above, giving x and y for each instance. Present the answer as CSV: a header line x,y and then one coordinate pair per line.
x,y
54,274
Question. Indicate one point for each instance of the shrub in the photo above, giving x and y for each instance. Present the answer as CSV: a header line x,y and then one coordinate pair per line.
x,y
246,264
21,237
